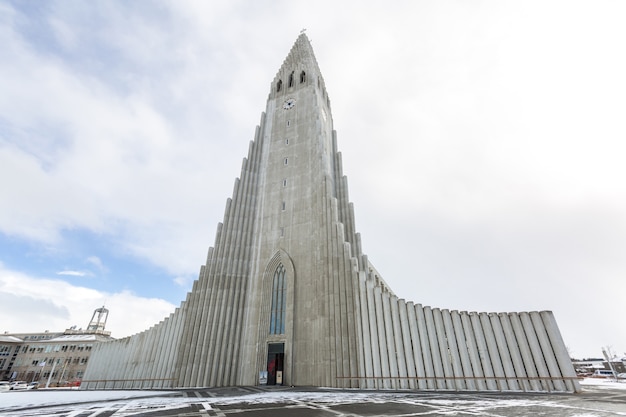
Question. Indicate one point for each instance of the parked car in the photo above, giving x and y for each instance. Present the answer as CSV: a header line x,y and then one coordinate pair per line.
x,y
33,385
4,386
15,385
603,373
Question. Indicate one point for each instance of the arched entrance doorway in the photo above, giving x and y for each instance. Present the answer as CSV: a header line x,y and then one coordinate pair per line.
x,y
275,363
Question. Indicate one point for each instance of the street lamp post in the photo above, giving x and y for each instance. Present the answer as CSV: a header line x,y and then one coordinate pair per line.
x,y
54,364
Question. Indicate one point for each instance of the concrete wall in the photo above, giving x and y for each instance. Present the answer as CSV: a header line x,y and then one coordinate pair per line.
x,y
344,326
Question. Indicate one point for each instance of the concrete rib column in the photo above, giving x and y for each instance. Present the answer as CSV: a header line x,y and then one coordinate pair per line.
x,y
204,325
453,351
227,323
562,356
334,318
416,343
474,356
424,339
210,318
192,329
123,368
504,353
157,369
151,376
371,308
496,361
109,371
368,370
149,357
224,291
137,353
525,351
444,350
463,351
390,340
397,334
249,195
548,354
168,369
407,335
351,317
217,313
483,352
514,351
537,355
196,315
235,358
433,341
382,336
231,276
166,350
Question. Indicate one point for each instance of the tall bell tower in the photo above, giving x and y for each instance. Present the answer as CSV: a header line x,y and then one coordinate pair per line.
x,y
286,295
300,295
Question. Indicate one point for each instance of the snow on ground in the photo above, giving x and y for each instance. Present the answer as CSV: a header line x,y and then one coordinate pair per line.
x,y
44,397
14,400
603,383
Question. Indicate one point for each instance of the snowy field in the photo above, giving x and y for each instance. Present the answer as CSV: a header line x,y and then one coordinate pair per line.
x,y
127,403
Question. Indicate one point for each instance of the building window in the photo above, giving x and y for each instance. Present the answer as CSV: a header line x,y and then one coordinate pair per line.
x,y
284,182
279,295
286,141
283,206
288,123
279,85
286,161
291,79
302,77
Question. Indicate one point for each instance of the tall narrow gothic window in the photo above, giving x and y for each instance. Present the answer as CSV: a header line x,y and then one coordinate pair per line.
x,y
279,85
302,77
279,294
291,79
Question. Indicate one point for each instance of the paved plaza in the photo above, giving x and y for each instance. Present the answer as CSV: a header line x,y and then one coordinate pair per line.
x,y
284,401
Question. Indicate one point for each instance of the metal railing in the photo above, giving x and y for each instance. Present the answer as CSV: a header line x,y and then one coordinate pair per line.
x,y
145,383
450,383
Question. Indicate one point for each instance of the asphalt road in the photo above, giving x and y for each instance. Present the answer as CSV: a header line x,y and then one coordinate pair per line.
x,y
279,402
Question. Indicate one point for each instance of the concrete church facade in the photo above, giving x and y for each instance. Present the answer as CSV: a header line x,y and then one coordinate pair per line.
x,y
287,296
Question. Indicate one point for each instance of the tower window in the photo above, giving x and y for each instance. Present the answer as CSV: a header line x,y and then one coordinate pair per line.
x,y
286,141
286,161
288,123
284,182
279,85
284,205
291,79
302,77
279,295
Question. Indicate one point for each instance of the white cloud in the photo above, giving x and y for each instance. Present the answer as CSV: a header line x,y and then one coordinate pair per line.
x,y
97,262
74,273
34,304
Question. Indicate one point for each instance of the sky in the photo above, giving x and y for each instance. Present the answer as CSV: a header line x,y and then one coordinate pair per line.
x,y
484,145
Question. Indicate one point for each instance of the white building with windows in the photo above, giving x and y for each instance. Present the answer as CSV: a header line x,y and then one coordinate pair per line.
x,y
60,358
287,295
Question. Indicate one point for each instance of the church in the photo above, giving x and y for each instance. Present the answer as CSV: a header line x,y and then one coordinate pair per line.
x,y
287,296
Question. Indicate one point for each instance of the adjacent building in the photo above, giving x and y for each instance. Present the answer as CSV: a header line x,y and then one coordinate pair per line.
x,y
287,295
58,359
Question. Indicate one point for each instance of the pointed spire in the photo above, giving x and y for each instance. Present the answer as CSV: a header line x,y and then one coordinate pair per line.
x,y
300,60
